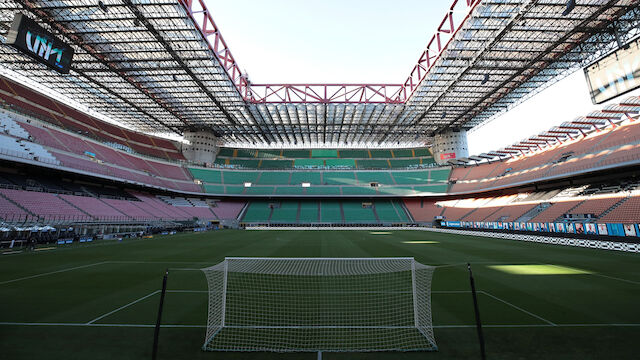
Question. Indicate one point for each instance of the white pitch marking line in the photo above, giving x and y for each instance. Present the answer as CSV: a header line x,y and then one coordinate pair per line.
x,y
518,307
52,272
616,278
122,307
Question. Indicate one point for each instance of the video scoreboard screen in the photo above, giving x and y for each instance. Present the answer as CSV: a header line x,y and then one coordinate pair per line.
x,y
32,39
614,74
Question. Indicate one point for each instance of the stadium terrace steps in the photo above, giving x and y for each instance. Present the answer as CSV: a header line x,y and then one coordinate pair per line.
x,y
325,211
605,148
81,153
62,115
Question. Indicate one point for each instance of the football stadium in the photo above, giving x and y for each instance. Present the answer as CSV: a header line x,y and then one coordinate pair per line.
x,y
157,202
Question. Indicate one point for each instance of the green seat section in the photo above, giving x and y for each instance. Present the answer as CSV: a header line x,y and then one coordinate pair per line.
x,y
421,152
358,190
269,154
206,175
428,160
298,177
411,177
339,178
276,164
309,212
240,177
330,211
372,164
244,163
432,188
404,163
308,163
354,154
324,153
228,152
247,153
234,190
440,176
399,153
220,160
214,189
258,211
296,153
367,177
323,190
286,213
274,178
390,211
259,190
340,163
383,154
289,190
355,213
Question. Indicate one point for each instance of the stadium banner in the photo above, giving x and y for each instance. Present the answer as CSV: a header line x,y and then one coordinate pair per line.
x,y
615,74
602,229
32,39
630,230
571,228
616,229
448,156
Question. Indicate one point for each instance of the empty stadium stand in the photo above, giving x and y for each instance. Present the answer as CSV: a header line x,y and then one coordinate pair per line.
x,y
23,99
324,159
325,212
599,148
322,183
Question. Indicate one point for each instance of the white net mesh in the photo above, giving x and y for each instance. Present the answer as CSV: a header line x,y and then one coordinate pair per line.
x,y
319,304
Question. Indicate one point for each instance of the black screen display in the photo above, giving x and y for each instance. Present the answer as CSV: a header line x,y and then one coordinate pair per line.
x,y
32,39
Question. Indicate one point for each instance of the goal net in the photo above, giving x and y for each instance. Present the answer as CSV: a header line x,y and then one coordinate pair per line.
x,y
319,304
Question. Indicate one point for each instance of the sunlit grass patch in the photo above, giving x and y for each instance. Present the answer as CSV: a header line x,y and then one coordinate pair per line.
x,y
543,269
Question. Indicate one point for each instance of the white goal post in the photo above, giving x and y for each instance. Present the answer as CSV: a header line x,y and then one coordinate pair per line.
x,y
319,304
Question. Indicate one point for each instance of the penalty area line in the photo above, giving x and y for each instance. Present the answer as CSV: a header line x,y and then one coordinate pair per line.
x,y
517,308
122,307
52,272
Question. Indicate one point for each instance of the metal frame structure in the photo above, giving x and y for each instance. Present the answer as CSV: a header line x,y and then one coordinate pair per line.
x,y
163,66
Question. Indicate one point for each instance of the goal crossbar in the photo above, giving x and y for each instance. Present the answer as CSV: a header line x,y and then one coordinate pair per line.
x,y
319,304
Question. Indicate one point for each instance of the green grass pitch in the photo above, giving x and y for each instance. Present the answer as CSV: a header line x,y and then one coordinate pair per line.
x,y
537,301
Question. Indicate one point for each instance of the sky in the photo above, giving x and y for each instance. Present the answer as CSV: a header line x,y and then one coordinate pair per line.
x,y
371,41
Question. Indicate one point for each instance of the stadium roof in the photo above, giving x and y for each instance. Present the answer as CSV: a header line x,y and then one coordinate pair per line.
x,y
162,65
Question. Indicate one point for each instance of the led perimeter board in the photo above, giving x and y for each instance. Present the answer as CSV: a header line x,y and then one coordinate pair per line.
x,y
615,74
32,39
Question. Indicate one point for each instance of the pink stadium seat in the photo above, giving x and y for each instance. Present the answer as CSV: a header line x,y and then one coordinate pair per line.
x,y
94,207
228,209
47,205
628,212
423,211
